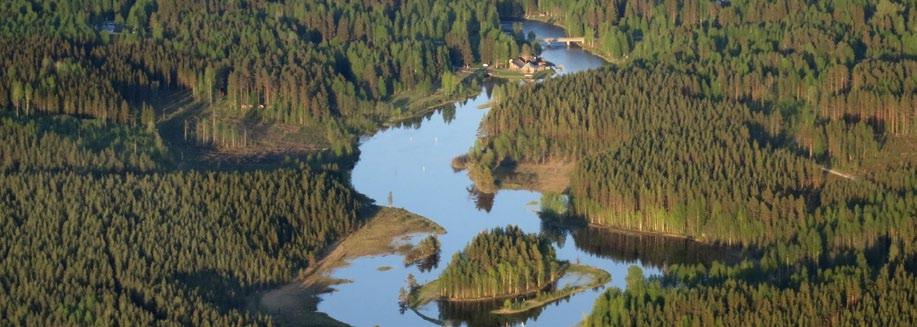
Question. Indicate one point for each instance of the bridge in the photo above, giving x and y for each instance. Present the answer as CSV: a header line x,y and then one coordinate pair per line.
x,y
567,40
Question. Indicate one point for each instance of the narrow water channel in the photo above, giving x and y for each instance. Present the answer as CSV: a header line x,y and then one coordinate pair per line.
x,y
412,163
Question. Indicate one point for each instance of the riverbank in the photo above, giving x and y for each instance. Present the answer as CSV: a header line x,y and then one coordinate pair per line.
x,y
586,278
591,49
415,104
387,231
430,292
583,278
411,161
508,74
548,177
644,232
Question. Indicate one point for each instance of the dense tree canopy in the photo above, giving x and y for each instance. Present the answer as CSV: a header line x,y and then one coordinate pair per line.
x,y
500,262
321,64
808,60
44,143
784,126
723,123
655,154
98,229
103,229
845,295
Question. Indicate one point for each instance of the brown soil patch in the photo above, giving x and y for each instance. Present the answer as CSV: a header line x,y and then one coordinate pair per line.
x,y
553,176
264,139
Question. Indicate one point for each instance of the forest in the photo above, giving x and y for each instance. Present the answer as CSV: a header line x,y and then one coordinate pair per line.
x,y
48,143
100,232
849,295
683,163
95,94
786,127
499,263
325,65
812,61
782,127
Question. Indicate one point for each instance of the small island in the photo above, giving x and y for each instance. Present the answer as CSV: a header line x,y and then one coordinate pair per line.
x,y
505,264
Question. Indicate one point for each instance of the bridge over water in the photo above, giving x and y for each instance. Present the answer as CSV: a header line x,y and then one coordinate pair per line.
x,y
567,40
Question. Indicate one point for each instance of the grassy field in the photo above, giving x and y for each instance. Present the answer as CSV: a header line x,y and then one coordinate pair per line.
x,y
427,293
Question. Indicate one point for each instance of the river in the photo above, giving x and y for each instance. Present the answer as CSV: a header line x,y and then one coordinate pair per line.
x,y
412,163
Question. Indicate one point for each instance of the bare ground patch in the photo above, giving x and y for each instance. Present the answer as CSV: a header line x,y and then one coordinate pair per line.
x,y
295,303
552,176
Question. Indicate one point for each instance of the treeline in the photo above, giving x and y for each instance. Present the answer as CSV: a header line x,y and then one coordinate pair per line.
x,y
846,294
309,63
143,249
100,231
722,125
783,126
654,154
498,263
810,61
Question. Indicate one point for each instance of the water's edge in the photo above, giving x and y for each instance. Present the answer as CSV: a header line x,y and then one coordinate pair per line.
x,y
410,166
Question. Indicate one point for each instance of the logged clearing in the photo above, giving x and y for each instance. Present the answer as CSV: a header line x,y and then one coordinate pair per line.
x,y
187,125
385,232
248,134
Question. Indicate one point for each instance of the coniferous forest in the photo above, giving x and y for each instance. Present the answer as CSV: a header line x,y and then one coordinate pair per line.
x,y
784,128
326,65
499,263
99,232
103,229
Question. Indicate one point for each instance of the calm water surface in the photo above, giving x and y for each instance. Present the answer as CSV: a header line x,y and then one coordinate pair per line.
x,y
413,163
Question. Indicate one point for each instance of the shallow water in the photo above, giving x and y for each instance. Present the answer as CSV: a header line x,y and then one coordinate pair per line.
x,y
413,164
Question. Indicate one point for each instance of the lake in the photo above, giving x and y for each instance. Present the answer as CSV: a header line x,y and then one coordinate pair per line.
x,y
412,163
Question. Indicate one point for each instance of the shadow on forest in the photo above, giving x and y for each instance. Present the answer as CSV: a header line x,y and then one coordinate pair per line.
x,y
650,249
224,292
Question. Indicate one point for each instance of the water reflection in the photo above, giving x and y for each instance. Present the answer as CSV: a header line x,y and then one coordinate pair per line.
x,y
426,264
446,111
649,249
411,161
482,200
478,313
